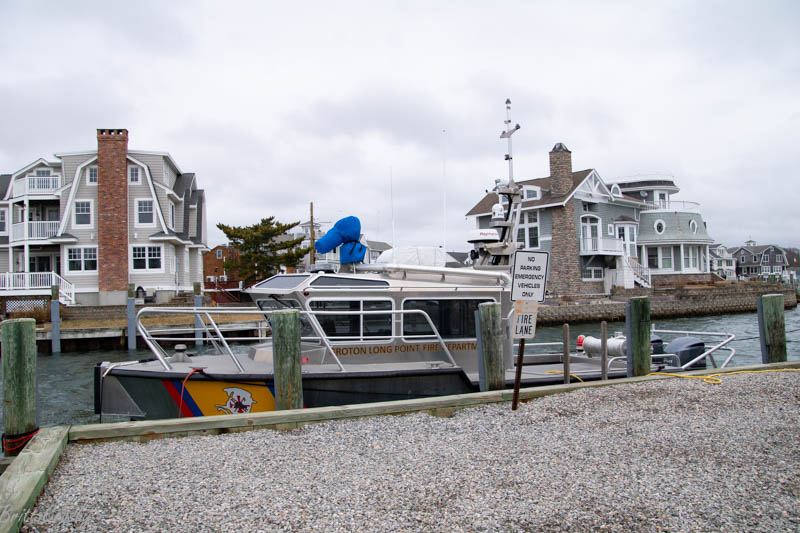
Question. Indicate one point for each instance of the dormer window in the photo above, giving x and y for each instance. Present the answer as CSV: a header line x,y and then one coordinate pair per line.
x,y
659,226
693,226
42,172
615,190
531,193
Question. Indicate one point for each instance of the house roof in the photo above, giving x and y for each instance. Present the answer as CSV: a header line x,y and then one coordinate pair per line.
x,y
5,181
755,250
677,228
486,203
183,182
378,246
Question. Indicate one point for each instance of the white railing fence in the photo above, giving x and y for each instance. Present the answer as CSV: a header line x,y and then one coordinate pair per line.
x,y
640,272
27,281
45,229
601,244
36,185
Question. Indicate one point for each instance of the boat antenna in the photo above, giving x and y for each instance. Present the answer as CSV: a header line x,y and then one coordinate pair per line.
x,y
391,197
507,133
444,186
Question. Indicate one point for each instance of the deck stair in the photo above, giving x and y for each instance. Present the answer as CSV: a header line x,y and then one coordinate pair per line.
x,y
36,283
641,274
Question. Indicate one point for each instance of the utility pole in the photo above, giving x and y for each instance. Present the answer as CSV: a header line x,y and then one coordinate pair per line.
x,y
311,260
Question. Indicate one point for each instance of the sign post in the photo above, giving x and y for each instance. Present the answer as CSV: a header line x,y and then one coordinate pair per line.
x,y
527,291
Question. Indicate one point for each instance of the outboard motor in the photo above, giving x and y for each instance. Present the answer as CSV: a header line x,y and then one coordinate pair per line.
x,y
656,345
687,348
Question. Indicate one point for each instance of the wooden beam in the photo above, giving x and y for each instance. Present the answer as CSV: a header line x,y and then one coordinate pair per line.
x,y
23,481
438,406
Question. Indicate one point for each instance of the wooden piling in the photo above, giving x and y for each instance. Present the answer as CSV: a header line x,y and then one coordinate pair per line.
x,y
566,356
198,322
491,347
55,320
286,359
18,337
772,328
131,317
604,350
637,323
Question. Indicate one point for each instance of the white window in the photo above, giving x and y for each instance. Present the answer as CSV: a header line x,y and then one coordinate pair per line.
x,y
219,254
690,256
172,215
659,226
528,230
693,226
615,190
3,221
666,256
133,174
82,259
146,258
592,273
144,212
83,213
611,229
531,193
41,172
91,177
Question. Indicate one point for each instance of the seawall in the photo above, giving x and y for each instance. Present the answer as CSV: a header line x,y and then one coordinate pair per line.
x,y
699,301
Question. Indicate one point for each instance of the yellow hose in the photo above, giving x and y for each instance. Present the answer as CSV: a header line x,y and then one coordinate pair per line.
x,y
561,372
714,379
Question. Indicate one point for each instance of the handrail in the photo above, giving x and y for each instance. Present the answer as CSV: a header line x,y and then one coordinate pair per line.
x,y
503,277
639,269
218,337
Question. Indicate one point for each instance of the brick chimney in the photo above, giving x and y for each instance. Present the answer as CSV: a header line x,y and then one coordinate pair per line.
x,y
560,170
112,215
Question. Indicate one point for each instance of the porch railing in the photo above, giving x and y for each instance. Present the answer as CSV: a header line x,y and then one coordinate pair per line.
x,y
37,230
602,244
36,185
672,205
640,272
11,282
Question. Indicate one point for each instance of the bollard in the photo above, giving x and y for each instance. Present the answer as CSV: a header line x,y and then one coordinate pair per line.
x,y
198,322
491,353
772,328
286,360
565,358
637,324
604,350
55,320
18,337
131,315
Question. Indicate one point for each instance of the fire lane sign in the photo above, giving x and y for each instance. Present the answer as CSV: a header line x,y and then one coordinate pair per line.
x,y
530,276
525,319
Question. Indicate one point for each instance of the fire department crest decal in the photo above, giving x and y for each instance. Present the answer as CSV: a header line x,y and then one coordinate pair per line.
x,y
239,401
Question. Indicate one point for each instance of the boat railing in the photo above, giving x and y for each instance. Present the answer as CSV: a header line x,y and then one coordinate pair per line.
x,y
213,332
709,353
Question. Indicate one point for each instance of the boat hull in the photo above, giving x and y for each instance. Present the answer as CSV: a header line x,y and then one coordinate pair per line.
x,y
147,396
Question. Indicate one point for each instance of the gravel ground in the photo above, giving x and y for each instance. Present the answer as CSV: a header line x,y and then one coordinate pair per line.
x,y
672,455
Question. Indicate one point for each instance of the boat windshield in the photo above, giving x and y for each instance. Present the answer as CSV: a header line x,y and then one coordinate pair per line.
x,y
282,281
276,303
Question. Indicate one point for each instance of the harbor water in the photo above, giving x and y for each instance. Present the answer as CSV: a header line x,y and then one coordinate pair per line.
x,y
66,381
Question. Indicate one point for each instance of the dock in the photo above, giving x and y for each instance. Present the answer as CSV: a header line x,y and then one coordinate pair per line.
x,y
624,455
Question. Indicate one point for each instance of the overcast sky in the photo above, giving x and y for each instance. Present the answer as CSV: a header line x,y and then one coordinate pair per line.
x,y
349,104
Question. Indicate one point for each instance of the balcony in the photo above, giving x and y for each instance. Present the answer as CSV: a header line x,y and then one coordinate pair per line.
x,y
672,205
36,230
36,283
601,246
36,185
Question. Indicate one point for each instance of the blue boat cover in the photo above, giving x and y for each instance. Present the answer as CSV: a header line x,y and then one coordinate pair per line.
x,y
345,232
